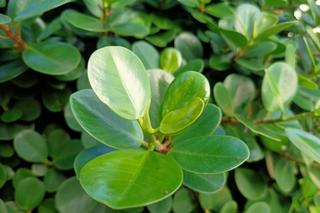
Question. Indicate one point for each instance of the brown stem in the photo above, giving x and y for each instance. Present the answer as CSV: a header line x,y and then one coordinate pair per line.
x,y
16,37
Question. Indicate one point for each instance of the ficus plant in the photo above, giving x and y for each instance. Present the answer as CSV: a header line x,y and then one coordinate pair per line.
x,y
161,131
158,132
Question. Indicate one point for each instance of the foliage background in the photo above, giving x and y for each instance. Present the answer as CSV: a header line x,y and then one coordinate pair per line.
x,y
37,77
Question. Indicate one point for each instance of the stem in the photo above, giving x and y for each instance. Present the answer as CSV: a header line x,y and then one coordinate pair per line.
x,y
106,11
47,162
145,123
16,37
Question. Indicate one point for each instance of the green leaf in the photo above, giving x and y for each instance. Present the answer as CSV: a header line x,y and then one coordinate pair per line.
x,y
102,123
11,115
250,184
275,30
71,198
307,143
246,16
4,19
89,154
11,70
51,57
223,98
163,206
279,86
235,38
183,202
3,175
3,207
35,8
220,10
55,100
115,178
94,6
254,65
31,109
261,207
83,21
52,180
185,89
120,80
24,188
261,49
284,175
205,125
241,89
170,59
229,207
31,146
216,200
147,54
210,154
189,46
177,120
163,38
192,65
159,82
206,183
219,62
189,3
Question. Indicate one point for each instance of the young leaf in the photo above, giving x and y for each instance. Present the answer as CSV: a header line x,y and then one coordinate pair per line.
x,y
279,86
31,146
51,57
205,125
170,59
246,16
210,154
122,179
205,183
102,123
159,81
119,79
235,38
147,54
177,120
307,143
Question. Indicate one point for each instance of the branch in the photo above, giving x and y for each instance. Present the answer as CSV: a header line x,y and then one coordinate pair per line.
x,y
16,37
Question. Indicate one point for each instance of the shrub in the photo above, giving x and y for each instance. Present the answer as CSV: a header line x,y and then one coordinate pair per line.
x,y
159,106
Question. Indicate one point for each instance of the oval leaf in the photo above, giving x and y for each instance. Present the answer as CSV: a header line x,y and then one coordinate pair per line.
x,y
210,154
120,80
279,86
206,183
102,123
115,178
51,57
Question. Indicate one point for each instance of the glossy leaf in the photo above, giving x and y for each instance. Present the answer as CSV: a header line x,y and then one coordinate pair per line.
x,y
52,58
220,10
11,70
259,207
170,59
205,183
115,178
210,154
177,120
119,79
284,175
84,22
305,142
205,125
31,146
163,206
279,86
147,54
183,90
235,38
102,123
159,82
35,8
